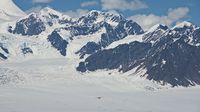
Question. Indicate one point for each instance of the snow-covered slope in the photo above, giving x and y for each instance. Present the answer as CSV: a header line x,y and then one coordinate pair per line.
x,y
126,40
105,40
53,85
100,62
9,11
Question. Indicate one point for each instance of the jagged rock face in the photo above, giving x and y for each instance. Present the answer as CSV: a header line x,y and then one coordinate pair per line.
x,y
176,62
132,27
113,34
124,57
191,31
196,37
153,36
171,59
186,30
94,17
88,19
76,30
29,26
96,21
89,48
123,29
58,42
109,36
88,25
36,23
115,25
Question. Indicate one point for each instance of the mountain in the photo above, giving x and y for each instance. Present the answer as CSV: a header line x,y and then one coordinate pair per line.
x,y
36,23
96,24
9,11
95,16
104,41
175,57
154,33
165,56
55,30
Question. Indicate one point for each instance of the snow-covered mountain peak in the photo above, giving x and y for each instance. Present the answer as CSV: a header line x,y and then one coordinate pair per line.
x,y
184,28
47,19
95,16
50,13
94,12
157,27
98,13
47,11
185,25
155,33
47,14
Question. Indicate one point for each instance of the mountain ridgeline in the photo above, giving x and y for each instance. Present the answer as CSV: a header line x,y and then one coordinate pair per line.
x,y
167,55
162,54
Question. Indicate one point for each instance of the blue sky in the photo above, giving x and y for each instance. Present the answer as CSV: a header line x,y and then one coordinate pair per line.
x,y
145,12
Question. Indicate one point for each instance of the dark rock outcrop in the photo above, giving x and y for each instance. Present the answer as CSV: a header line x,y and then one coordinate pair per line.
x,y
58,42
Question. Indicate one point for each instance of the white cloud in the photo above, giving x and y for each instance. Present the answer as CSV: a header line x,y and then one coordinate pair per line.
x,y
41,1
34,9
77,13
89,3
178,13
122,5
173,15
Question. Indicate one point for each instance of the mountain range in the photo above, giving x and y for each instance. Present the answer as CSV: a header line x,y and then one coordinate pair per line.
x,y
103,41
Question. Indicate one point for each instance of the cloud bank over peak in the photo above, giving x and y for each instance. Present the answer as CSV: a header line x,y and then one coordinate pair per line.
x,y
122,5
42,1
173,15
89,3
